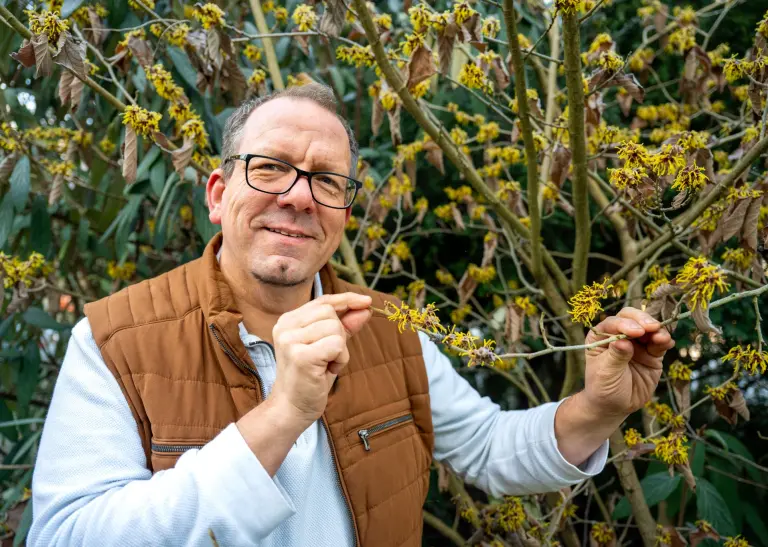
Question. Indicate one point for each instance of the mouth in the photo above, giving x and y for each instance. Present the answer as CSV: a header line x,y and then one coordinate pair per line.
x,y
288,233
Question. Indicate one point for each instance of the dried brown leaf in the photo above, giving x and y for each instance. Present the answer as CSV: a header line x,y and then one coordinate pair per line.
x,y
213,48
65,83
512,324
502,78
749,230
141,50
489,250
26,54
97,32
332,20
182,156
236,83
457,218
434,155
734,220
466,288
561,162
703,322
625,103
75,91
72,55
446,40
739,404
421,66
755,93
726,412
43,61
6,166
639,450
699,535
682,391
377,117
130,155
394,124
680,199
630,83
666,289
56,186
162,141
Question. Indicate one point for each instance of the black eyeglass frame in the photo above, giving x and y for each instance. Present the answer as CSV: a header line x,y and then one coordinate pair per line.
x,y
299,173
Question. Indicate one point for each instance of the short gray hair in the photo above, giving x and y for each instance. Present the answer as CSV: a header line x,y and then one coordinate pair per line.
x,y
319,94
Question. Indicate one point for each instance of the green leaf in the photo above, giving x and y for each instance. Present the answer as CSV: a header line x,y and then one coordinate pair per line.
x,y
146,162
711,507
38,318
22,421
656,488
20,183
28,375
157,177
68,8
756,522
40,228
6,218
697,464
5,325
183,66
24,524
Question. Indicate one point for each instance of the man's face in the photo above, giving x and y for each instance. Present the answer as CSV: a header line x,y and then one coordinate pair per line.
x,y
311,138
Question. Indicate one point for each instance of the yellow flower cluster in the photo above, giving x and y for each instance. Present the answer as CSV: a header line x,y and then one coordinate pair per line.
x,y
194,129
47,22
407,317
252,52
122,272
353,223
585,304
610,61
257,78
700,279
511,514
401,250
681,40
491,27
144,122
175,34
482,275
304,17
691,179
7,140
14,270
375,231
737,541
719,393
602,533
458,315
508,154
356,55
462,12
750,360
107,146
632,437
135,5
672,448
525,305
445,277
506,188
163,83
668,160
82,17
679,371
383,20
640,59
473,77
389,99
762,26
487,132
633,154
741,258
185,213
209,15
461,193
419,16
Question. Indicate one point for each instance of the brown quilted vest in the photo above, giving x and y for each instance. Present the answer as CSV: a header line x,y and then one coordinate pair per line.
x,y
172,343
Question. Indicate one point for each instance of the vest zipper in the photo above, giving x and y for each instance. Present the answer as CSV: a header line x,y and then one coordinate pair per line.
x,y
175,447
342,486
243,365
365,433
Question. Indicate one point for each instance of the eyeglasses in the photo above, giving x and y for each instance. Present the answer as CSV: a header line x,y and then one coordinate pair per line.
x,y
274,176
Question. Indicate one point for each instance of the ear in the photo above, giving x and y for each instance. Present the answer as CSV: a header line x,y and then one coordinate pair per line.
x,y
214,192
347,214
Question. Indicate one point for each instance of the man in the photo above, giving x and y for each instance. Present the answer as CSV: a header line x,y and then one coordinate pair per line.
x,y
251,394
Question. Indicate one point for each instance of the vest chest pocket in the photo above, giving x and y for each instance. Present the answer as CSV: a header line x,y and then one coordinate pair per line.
x,y
165,454
367,434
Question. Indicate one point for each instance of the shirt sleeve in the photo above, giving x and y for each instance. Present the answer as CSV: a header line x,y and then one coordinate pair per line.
x,y
511,452
91,486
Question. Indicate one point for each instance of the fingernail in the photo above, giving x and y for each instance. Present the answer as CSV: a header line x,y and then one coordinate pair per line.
x,y
649,321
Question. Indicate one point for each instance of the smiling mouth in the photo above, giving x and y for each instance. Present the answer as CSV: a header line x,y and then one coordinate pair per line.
x,y
294,235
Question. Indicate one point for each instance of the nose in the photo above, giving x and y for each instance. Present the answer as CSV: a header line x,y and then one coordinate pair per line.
x,y
299,196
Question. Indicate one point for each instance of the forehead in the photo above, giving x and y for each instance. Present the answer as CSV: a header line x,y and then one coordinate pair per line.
x,y
295,126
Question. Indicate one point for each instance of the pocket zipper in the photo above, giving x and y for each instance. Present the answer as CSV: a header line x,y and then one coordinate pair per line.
x,y
167,448
364,434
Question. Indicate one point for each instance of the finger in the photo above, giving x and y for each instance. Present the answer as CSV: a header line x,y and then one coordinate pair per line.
x,y
346,301
658,347
329,349
305,316
618,325
640,317
314,332
354,320
326,306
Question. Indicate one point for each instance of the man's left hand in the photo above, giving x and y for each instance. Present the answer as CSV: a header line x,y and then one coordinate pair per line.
x,y
621,376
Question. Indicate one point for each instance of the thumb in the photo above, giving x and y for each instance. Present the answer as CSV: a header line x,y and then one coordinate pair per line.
x,y
354,320
620,353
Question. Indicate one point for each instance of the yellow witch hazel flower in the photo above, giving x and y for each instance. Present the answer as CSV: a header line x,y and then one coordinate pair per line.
x,y
585,304
122,272
679,371
737,541
750,360
569,6
13,270
304,17
672,448
163,83
625,177
407,317
47,22
210,15
700,279
511,514
482,275
691,178
741,258
632,437
668,160
633,154
473,77
356,55
602,533
144,122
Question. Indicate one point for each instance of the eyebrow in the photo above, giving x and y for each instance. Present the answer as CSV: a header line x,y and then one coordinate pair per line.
x,y
320,166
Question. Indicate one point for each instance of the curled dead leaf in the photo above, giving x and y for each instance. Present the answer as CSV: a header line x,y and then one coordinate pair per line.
x,y
394,125
182,156
749,229
71,55
434,155
446,41
26,54
65,82
129,151
733,220
703,322
332,20
421,66
43,61
213,48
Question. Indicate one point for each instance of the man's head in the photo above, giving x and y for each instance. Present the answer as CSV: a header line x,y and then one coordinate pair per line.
x,y
301,127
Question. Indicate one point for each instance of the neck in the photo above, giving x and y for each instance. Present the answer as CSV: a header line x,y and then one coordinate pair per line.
x,y
261,303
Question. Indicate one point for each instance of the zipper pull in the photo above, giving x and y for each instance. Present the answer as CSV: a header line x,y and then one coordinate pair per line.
x,y
364,436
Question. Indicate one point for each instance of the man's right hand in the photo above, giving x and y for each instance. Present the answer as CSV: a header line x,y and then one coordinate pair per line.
x,y
311,349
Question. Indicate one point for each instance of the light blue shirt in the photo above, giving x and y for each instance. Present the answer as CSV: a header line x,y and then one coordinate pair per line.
x,y
91,486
